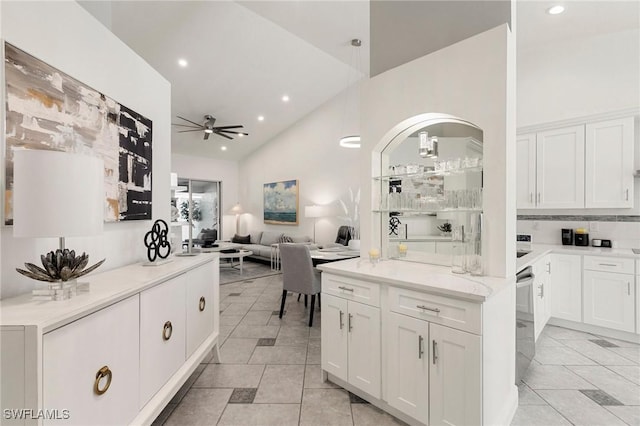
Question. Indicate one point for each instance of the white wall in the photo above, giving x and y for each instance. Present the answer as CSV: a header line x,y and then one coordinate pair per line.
x,y
307,151
473,80
66,36
576,78
622,234
226,172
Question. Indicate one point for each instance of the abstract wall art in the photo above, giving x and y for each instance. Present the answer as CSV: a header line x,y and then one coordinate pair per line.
x,y
47,109
281,202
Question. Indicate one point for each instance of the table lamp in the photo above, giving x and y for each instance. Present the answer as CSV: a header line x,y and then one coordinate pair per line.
x,y
315,212
57,194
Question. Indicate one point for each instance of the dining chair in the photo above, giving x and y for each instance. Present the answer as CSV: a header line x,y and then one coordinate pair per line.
x,y
299,275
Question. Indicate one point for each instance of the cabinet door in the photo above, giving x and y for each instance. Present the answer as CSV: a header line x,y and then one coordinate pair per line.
x,y
162,334
560,168
363,323
73,355
455,373
609,300
609,164
334,352
408,366
526,171
566,287
200,304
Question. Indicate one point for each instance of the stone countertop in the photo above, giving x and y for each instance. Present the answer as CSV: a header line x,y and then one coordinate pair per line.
x,y
420,277
539,250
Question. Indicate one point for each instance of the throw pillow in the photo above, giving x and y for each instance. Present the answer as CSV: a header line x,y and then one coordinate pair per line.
x,y
241,239
285,239
256,237
269,238
300,239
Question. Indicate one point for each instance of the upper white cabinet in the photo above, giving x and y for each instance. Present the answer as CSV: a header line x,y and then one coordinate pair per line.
x,y
526,171
584,166
609,164
560,168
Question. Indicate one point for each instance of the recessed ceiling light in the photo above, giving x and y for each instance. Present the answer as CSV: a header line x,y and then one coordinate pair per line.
x,y
261,118
224,148
183,63
555,10
285,98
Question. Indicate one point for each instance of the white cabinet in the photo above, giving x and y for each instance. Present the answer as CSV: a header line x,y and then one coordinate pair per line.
x,y
455,377
609,164
566,286
541,294
408,365
200,305
351,342
560,168
162,335
526,194
90,367
609,299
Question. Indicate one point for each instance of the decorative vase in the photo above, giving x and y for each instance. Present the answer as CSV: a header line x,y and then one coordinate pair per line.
x,y
354,244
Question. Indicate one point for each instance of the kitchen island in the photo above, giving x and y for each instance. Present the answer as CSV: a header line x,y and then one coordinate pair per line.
x,y
426,345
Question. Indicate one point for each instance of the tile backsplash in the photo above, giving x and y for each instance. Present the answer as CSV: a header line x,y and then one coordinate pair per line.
x,y
622,234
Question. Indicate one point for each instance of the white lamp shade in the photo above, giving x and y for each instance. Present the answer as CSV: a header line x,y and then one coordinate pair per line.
x,y
57,194
313,211
237,209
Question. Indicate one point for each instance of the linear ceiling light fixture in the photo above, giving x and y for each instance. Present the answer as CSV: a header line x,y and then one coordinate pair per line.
x,y
352,141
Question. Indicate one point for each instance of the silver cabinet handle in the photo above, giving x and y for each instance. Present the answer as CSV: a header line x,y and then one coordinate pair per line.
x,y
426,308
349,318
541,287
341,323
345,288
607,264
627,191
420,350
531,197
629,288
435,354
549,267
538,198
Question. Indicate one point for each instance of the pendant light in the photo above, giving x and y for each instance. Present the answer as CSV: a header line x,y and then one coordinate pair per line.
x,y
352,141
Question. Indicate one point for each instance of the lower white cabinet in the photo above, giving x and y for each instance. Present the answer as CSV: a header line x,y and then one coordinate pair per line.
x,y
91,367
351,342
609,300
162,334
455,377
566,286
200,305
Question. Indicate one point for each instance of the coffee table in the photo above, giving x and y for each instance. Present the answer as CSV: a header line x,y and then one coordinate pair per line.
x,y
240,255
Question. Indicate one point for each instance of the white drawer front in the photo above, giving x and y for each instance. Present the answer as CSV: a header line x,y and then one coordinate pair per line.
x,y
453,313
609,264
162,348
351,289
74,354
200,305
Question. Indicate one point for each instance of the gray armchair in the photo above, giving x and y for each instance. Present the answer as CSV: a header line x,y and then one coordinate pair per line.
x,y
298,274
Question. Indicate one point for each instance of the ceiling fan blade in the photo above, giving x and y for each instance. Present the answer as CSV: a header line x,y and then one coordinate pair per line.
x,y
228,127
185,131
223,135
206,136
192,122
232,132
186,125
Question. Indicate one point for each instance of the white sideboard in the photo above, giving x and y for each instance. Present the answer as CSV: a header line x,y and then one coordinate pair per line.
x,y
421,343
114,355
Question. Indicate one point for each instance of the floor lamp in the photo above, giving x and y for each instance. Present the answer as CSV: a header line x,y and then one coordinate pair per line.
x,y
237,210
315,212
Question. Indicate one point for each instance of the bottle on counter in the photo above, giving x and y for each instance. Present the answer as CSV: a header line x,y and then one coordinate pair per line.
x,y
393,200
458,250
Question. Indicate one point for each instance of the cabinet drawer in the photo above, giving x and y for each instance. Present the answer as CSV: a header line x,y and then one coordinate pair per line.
x,y
200,306
609,264
351,289
162,334
73,355
454,313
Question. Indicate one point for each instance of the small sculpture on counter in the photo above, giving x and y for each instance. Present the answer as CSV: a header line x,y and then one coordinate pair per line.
x,y
157,242
63,265
445,228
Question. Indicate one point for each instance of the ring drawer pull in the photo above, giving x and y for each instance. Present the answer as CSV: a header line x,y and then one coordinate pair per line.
x,y
345,288
167,330
426,308
103,372
202,304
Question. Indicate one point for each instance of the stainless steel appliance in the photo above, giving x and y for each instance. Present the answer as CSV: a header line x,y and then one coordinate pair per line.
x,y
525,334
567,237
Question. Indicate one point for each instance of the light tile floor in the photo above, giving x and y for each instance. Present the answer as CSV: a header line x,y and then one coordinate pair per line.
x,y
270,373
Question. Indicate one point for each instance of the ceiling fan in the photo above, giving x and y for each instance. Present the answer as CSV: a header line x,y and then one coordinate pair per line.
x,y
208,128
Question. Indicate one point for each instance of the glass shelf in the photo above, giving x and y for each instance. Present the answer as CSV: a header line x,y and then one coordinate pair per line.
x,y
413,212
429,174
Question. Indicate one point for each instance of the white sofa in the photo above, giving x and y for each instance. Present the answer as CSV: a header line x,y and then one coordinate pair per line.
x,y
260,243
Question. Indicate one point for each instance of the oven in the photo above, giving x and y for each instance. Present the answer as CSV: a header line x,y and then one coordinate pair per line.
x,y
525,334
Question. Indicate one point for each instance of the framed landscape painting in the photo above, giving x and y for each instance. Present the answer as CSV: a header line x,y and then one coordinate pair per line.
x,y
281,202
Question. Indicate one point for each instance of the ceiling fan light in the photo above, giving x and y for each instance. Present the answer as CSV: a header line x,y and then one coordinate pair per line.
x,y
208,131
350,142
